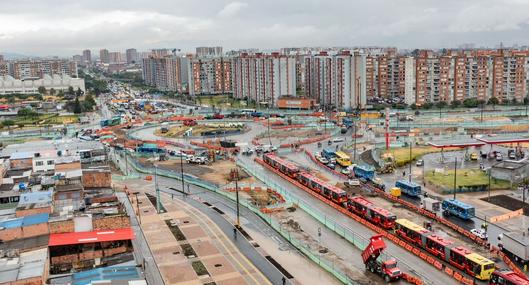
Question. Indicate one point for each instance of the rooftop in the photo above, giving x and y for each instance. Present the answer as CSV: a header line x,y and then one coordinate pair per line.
x,y
26,265
25,221
91,237
124,273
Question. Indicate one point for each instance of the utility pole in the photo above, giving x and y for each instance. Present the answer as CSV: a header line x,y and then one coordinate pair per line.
x,y
354,142
235,176
490,174
409,135
455,177
268,123
182,171
158,204
126,163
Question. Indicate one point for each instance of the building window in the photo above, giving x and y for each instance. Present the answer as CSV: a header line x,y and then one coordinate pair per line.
x,y
39,163
50,162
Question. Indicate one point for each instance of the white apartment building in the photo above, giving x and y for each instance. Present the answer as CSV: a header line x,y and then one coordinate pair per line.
x,y
264,78
336,81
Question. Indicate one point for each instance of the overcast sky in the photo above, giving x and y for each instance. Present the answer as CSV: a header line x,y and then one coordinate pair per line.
x,y
65,27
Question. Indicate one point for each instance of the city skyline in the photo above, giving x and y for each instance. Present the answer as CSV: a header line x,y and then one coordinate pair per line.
x,y
66,28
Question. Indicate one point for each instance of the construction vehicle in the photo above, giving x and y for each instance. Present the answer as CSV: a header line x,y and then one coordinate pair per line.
x,y
387,269
387,164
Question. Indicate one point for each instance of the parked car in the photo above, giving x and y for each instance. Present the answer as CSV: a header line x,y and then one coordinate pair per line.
x,y
322,159
353,182
481,233
499,157
247,151
331,166
197,160
420,162
338,139
345,171
473,156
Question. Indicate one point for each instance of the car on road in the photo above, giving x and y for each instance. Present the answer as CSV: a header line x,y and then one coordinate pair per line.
x,y
473,156
322,159
480,233
353,182
197,160
247,151
345,171
338,139
331,166
420,162
499,157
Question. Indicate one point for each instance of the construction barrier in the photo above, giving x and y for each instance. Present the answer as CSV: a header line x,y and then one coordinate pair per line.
x,y
507,216
305,141
416,251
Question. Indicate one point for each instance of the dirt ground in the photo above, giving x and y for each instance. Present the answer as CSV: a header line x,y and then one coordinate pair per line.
x,y
178,131
281,134
217,172
508,203
441,230
290,224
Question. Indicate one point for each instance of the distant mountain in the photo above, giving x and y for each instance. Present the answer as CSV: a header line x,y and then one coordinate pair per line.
x,y
14,55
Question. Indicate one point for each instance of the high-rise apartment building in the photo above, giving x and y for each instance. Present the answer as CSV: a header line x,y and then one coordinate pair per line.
x,y
162,52
104,56
264,78
1,58
115,57
87,57
337,81
132,55
208,51
164,73
210,75
34,69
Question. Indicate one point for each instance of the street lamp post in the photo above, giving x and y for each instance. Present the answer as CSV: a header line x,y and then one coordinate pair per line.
x,y
235,176
158,204
409,135
354,143
138,206
455,177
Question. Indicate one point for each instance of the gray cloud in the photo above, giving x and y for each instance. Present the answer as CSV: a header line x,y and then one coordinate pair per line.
x,y
65,27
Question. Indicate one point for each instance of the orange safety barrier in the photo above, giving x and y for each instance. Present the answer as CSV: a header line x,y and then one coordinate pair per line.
x,y
409,247
449,271
430,260
148,178
457,276
359,219
467,281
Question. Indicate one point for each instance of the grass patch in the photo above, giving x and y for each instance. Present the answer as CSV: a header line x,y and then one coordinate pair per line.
x,y
188,250
402,154
199,268
466,178
178,234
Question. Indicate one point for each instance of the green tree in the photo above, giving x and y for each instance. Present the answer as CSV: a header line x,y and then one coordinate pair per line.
x,y
42,90
78,92
27,113
52,91
413,106
470,103
77,108
514,101
8,123
440,104
61,93
71,91
427,106
455,103
493,101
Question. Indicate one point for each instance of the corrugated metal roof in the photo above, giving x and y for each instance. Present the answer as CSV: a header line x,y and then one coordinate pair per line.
x,y
90,237
35,197
21,155
107,273
25,221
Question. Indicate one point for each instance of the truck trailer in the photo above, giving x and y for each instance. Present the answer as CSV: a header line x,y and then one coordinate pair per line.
x,y
516,246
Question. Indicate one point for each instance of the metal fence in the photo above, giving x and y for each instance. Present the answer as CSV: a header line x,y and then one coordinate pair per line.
x,y
310,253
356,239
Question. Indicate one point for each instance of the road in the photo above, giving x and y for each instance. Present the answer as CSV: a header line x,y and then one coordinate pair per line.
x,y
249,220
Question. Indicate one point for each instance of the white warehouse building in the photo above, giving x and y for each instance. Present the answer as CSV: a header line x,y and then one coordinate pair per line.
x,y
9,85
